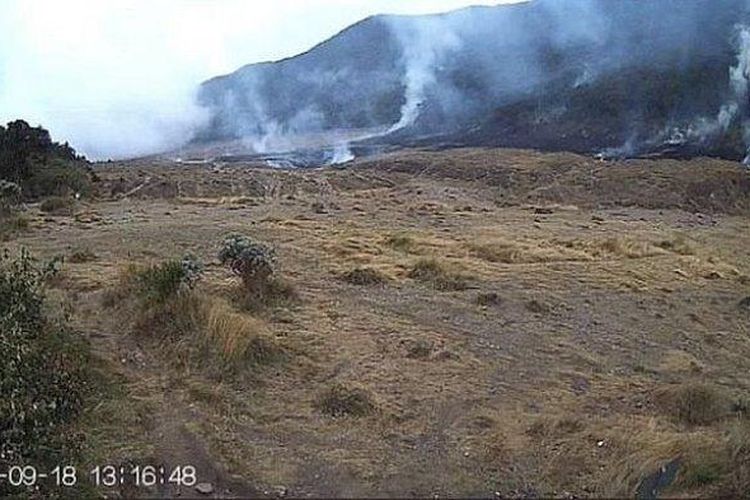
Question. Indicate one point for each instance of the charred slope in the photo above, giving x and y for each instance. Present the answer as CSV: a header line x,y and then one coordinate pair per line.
x,y
584,75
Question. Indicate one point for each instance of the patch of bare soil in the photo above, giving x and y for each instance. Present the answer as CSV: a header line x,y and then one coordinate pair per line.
x,y
598,334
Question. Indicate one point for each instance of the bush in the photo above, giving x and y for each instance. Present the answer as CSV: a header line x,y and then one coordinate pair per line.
x,y
163,281
10,197
252,262
30,158
255,264
42,375
57,178
59,205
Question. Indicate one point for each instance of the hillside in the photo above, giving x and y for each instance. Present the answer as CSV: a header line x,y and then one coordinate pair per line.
x,y
622,77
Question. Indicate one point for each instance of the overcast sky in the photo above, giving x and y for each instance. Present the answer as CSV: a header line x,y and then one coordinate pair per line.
x,y
93,71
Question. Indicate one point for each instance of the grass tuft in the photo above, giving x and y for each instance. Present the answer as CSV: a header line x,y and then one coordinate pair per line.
x,y
58,205
364,276
694,403
433,272
340,400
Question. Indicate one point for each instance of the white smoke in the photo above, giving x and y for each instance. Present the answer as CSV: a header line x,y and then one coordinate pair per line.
x,y
739,77
737,106
341,154
424,43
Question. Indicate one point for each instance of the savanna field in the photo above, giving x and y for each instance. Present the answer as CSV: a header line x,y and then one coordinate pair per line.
x,y
472,322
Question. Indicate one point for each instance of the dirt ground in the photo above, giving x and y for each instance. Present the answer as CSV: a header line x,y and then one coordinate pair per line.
x,y
592,297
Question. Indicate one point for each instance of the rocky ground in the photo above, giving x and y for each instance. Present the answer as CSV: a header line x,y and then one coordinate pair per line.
x,y
515,324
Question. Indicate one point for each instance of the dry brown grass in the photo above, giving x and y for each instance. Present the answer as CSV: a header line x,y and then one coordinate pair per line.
x,y
193,326
341,400
530,251
552,384
401,242
364,276
525,252
58,205
270,293
82,255
438,275
617,247
238,337
487,299
694,403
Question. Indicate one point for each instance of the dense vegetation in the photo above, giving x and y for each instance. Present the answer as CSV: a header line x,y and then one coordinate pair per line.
x,y
40,166
42,374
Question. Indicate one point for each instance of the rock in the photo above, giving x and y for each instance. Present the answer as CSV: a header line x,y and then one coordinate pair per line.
x,y
714,275
680,272
544,211
745,303
204,488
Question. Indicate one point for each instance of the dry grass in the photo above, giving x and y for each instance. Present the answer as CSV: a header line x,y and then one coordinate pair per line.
x,y
82,255
530,251
195,328
11,225
58,205
238,337
489,299
438,376
272,292
341,400
435,273
364,276
616,247
527,252
694,403
401,242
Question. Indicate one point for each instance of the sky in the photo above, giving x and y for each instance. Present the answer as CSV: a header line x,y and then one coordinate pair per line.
x,y
116,78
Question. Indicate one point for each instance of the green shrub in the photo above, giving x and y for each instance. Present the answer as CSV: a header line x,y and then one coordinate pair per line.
x,y
253,262
10,197
42,374
57,178
30,158
163,281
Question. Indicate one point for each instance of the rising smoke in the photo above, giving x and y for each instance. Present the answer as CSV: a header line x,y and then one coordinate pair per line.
x,y
395,76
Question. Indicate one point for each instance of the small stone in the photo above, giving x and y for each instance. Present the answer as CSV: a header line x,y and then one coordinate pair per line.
x,y
204,488
280,491
600,444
